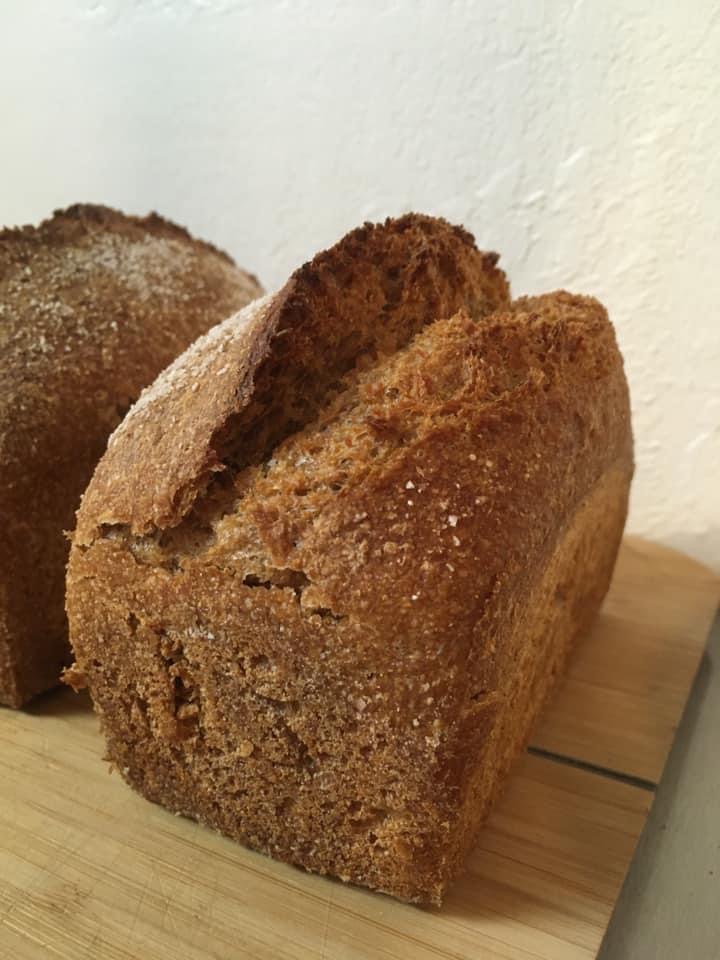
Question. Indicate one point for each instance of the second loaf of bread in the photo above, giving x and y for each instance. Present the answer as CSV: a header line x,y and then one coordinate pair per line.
x,y
93,305
332,563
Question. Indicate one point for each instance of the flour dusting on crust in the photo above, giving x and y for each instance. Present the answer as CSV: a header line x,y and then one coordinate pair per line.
x,y
187,371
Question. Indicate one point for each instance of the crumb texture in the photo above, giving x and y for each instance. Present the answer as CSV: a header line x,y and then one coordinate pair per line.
x,y
93,304
328,628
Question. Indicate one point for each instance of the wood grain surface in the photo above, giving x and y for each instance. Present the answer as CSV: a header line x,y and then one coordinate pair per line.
x,y
90,870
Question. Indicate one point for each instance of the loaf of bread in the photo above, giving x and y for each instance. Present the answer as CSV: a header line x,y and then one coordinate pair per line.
x,y
333,562
93,305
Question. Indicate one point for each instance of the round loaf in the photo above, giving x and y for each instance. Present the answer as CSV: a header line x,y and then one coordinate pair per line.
x,y
93,304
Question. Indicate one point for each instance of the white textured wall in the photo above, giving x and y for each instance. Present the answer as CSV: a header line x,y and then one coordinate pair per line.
x,y
582,140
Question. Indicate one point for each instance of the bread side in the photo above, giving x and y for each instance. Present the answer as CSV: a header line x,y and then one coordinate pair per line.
x,y
92,305
337,650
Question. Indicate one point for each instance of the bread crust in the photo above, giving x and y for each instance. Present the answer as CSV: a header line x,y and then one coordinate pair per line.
x,y
257,361
93,304
328,631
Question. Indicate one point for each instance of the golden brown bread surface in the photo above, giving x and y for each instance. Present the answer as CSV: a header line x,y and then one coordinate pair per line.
x,y
326,629
93,304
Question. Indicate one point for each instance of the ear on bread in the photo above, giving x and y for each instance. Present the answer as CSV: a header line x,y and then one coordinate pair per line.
x,y
266,372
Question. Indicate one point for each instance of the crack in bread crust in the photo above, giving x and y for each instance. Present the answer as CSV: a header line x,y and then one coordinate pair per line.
x,y
267,372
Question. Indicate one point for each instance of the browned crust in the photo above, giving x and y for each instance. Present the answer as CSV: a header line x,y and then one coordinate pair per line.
x,y
81,219
416,268
92,305
384,592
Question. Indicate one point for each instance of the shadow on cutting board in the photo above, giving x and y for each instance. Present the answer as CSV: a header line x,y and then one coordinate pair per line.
x,y
60,702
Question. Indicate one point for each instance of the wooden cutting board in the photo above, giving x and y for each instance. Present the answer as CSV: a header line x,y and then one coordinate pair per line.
x,y
90,870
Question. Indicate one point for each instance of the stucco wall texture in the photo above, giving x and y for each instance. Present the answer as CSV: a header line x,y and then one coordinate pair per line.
x,y
581,140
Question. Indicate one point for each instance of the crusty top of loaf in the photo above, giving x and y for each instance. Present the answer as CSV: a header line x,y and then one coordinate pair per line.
x,y
90,302
264,373
81,220
53,277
